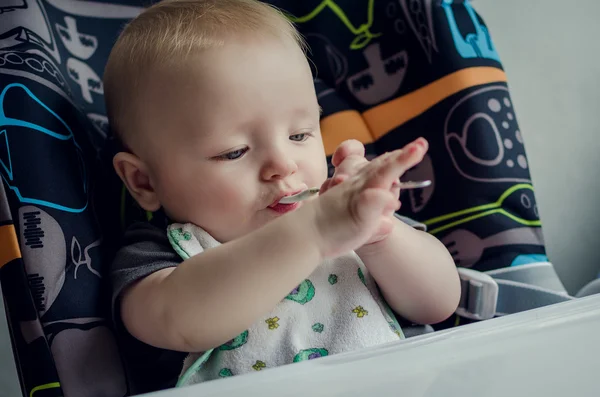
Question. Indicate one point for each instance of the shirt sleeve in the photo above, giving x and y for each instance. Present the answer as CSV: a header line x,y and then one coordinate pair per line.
x,y
145,250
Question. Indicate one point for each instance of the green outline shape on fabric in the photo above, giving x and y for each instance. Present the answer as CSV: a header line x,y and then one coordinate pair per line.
x,y
53,385
225,373
305,353
361,276
362,33
392,316
484,210
175,244
194,368
306,293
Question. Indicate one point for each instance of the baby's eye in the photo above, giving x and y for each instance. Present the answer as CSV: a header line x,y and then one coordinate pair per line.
x,y
233,155
299,137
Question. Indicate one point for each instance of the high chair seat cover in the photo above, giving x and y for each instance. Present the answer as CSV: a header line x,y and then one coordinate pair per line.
x,y
386,72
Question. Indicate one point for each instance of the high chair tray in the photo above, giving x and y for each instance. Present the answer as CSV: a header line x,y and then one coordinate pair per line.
x,y
552,351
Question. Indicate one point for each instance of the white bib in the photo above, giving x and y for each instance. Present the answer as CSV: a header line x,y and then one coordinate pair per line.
x,y
337,309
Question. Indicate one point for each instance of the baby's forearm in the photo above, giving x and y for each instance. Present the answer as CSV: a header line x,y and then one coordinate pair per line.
x,y
214,296
415,273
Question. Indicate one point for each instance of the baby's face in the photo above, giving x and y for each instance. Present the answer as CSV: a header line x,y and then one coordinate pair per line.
x,y
230,134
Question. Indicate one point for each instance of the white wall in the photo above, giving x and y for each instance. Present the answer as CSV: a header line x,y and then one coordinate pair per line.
x,y
551,53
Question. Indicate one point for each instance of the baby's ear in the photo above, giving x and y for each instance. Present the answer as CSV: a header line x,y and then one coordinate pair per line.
x,y
134,174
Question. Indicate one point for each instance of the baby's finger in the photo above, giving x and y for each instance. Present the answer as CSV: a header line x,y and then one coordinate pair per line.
x,y
345,149
337,179
351,165
395,190
421,142
385,172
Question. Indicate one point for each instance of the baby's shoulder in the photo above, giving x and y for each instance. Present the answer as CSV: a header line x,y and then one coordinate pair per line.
x,y
143,244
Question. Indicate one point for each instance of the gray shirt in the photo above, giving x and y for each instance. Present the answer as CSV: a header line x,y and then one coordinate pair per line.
x,y
145,249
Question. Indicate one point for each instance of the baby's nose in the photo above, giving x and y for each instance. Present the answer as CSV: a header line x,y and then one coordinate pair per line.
x,y
278,166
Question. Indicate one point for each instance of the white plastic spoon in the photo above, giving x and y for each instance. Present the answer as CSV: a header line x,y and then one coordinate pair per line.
x,y
303,195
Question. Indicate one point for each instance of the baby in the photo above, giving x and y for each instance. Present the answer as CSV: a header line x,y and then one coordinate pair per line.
x,y
214,104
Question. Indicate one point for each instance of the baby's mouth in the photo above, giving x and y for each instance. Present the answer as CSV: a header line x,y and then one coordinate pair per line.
x,y
276,202
284,208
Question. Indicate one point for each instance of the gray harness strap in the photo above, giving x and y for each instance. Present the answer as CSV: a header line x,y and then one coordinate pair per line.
x,y
509,290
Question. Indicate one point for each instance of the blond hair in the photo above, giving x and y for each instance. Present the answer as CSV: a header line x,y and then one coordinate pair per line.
x,y
168,32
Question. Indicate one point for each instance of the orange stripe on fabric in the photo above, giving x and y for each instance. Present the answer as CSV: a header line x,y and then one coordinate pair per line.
x,y
340,126
385,117
9,245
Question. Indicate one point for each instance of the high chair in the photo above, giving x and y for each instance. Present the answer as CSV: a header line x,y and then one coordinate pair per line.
x,y
385,73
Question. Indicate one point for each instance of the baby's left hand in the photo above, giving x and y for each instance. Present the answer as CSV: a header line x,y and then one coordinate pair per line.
x,y
348,159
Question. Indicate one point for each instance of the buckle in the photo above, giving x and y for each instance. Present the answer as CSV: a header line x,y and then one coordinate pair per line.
x,y
479,295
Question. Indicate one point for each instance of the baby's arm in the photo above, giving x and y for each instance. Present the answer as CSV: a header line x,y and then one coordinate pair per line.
x,y
413,269
215,295
415,273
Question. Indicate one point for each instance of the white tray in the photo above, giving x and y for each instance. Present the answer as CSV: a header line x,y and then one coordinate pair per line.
x,y
550,352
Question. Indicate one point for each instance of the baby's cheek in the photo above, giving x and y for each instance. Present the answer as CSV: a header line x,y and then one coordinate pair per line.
x,y
318,173
226,213
224,200
230,201
179,199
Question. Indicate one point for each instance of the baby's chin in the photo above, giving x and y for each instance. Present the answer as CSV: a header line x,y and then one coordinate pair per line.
x,y
229,231
242,225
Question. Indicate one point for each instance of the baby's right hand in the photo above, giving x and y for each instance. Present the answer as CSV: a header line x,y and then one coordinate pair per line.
x,y
349,214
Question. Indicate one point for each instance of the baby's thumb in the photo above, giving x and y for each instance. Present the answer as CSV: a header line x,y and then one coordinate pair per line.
x,y
325,186
331,182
